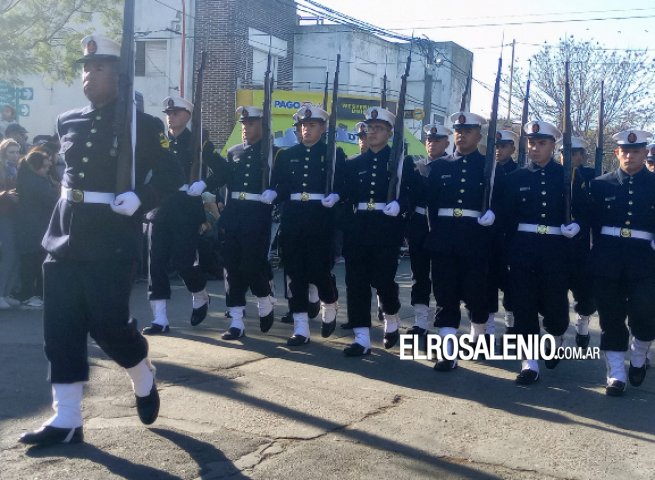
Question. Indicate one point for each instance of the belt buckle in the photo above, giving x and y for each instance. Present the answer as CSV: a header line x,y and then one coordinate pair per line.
x,y
77,196
304,196
370,206
626,233
458,212
242,195
542,229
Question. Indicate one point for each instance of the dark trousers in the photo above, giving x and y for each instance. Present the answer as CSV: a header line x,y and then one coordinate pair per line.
x,y
309,258
535,291
621,298
497,279
31,275
88,298
370,266
457,278
581,284
420,259
176,245
246,264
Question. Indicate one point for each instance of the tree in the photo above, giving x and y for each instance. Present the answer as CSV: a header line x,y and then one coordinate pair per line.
x,y
43,36
629,77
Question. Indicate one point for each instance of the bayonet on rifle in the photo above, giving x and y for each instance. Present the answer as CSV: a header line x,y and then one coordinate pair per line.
x,y
331,152
397,146
598,160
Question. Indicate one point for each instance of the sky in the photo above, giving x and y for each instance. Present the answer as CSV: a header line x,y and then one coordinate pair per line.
x,y
483,26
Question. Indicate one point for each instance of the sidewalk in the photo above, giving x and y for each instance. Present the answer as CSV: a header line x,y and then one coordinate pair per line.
x,y
257,409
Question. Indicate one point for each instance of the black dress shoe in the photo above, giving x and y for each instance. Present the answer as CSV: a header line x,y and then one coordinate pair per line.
x,y
199,314
156,329
297,341
287,318
390,339
313,309
422,337
48,435
233,333
445,365
327,329
636,375
265,323
346,326
148,406
356,350
582,341
527,377
615,388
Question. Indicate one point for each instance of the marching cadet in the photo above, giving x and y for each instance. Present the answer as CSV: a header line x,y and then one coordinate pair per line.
x,y
623,260
533,216
247,223
436,143
307,226
458,239
581,286
93,242
175,226
650,159
373,237
506,142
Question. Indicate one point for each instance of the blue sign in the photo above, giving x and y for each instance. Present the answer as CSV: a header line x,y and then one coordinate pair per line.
x,y
26,93
24,110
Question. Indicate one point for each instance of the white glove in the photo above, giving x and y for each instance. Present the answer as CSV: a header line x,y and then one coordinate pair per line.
x,y
570,230
126,204
330,200
196,189
487,219
392,209
652,244
268,196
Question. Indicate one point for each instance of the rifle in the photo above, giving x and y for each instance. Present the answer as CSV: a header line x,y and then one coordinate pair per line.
x,y
397,146
197,143
331,152
383,97
490,157
566,146
123,141
462,103
266,144
325,91
598,161
524,119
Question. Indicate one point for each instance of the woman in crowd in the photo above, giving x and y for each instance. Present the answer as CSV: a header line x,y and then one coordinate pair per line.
x,y
9,154
37,197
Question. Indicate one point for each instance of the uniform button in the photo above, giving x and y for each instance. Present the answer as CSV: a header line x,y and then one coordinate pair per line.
x,y
544,204
306,166
304,184
305,175
627,222
247,174
543,192
459,200
373,174
630,192
372,192
174,151
543,183
247,165
464,171
543,215
374,167
375,159
630,202
463,180
629,214
543,173
465,161
249,157
98,117
372,183
89,144
306,158
93,130
81,174
461,190
85,159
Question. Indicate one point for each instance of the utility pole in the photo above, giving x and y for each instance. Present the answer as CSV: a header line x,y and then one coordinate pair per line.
x,y
183,49
511,79
427,90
